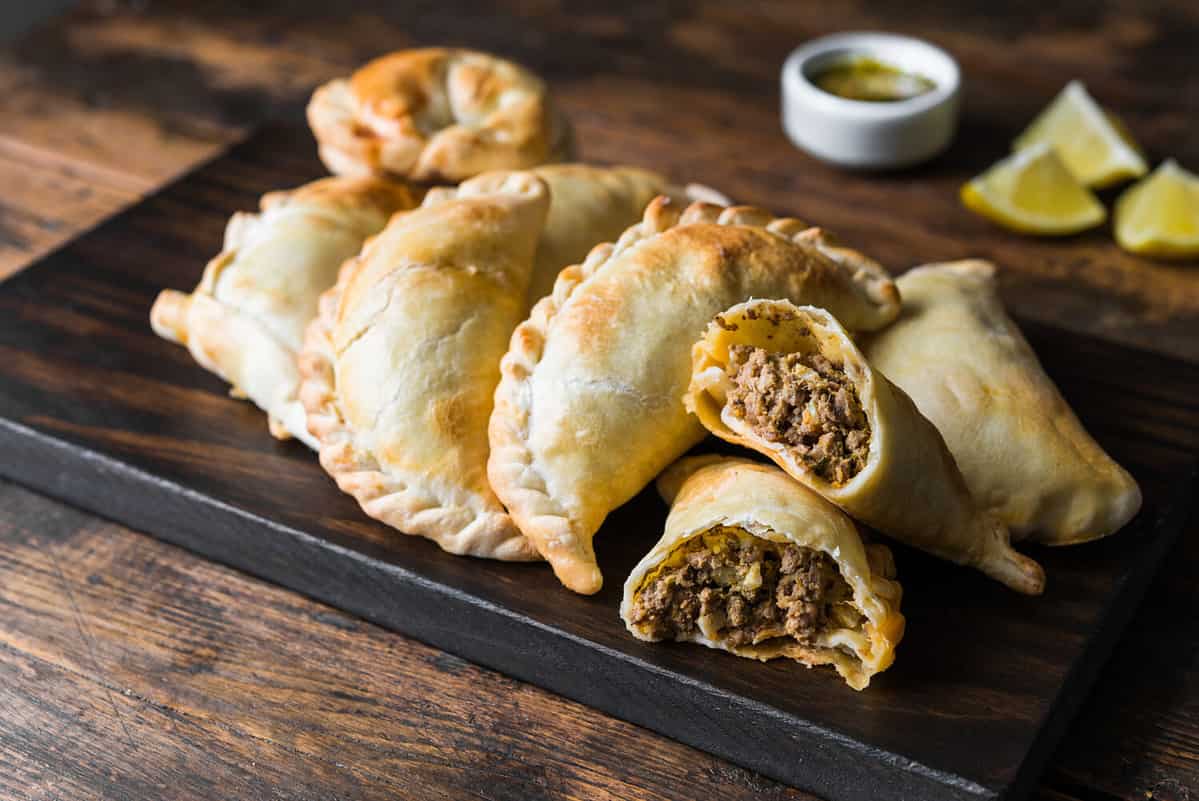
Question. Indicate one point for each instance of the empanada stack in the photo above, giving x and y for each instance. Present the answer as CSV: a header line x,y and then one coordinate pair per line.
x,y
589,409
502,366
788,382
246,319
400,366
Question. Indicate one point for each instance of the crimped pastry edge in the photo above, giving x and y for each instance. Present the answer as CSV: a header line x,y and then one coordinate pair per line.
x,y
511,466
387,498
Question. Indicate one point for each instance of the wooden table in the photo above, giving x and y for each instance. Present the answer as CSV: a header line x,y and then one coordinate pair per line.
x,y
133,670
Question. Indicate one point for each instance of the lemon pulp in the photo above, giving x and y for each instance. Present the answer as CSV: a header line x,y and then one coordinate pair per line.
x,y
1093,142
1159,216
1033,192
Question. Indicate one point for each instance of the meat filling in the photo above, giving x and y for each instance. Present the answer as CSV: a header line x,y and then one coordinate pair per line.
x,y
749,589
805,402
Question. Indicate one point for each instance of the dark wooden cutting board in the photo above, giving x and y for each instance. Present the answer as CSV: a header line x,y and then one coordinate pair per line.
x,y
97,410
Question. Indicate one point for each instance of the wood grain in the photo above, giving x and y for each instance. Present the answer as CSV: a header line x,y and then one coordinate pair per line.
x,y
97,410
39,195
188,660
1138,735
137,662
164,83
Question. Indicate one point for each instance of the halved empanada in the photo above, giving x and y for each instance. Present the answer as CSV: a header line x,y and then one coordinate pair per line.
x,y
788,382
589,408
245,321
1021,449
401,363
756,564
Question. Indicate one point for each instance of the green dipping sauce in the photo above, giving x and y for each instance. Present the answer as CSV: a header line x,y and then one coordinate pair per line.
x,y
868,79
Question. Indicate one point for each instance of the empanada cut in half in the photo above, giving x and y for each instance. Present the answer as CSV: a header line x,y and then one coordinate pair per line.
x,y
401,364
1021,448
437,114
246,319
589,410
756,564
788,382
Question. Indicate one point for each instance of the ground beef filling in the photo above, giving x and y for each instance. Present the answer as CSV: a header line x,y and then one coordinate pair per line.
x,y
753,590
805,402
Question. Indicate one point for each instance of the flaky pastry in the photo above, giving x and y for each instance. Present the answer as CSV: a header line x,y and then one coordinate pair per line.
x,y
589,205
400,365
754,563
789,382
245,321
437,114
589,408
1021,448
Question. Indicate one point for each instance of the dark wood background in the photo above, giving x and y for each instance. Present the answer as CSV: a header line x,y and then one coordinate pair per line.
x,y
102,106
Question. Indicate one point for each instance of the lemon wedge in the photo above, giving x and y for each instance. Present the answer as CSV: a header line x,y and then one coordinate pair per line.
x,y
1031,191
1159,216
1094,143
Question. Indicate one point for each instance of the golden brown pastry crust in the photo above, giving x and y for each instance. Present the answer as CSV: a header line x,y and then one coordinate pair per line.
x,y
588,205
437,114
909,487
1021,448
708,492
589,407
400,365
245,320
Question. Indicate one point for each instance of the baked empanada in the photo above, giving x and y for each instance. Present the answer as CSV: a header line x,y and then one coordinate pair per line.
x,y
588,205
1021,449
400,365
437,114
245,321
755,564
787,381
589,407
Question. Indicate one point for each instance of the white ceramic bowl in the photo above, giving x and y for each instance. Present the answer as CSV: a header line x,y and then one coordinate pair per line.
x,y
857,133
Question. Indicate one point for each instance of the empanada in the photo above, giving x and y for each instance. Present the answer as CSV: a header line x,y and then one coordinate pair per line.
x,y
1021,449
437,114
588,205
400,365
589,407
245,321
754,563
787,381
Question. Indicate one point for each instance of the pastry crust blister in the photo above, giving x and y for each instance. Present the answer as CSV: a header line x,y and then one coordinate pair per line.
x,y
246,318
588,410
909,486
713,492
1020,446
437,114
400,365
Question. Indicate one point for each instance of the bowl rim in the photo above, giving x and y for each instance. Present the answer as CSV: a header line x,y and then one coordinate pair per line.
x,y
906,52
